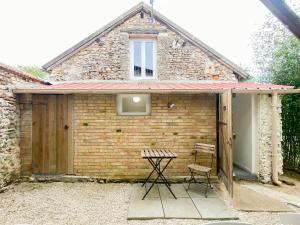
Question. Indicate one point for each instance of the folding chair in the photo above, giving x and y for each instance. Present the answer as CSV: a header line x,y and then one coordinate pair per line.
x,y
196,168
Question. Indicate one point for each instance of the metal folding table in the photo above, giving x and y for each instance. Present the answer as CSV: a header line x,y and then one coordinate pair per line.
x,y
155,158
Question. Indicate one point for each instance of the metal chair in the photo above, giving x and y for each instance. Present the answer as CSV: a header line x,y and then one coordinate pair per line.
x,y
290,218
196,168
227,223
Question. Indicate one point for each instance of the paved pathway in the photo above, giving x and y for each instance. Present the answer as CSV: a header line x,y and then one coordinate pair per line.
x,y
281,196
191,203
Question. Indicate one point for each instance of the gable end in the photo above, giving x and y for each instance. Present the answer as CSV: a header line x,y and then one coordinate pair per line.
x,y
142,7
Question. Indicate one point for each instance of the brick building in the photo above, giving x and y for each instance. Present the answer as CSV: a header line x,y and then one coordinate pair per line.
x,y
141,83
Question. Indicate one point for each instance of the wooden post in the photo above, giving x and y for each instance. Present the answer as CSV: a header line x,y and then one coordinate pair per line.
x,y
275,139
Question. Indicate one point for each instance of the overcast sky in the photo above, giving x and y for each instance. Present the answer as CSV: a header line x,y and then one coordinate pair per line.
x,y
34,31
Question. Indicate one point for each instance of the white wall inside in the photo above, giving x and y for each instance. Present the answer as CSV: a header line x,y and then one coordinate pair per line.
x,y
244,118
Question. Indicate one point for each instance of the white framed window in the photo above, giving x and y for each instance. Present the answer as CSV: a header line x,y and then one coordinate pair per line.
x,y
133,104
142,58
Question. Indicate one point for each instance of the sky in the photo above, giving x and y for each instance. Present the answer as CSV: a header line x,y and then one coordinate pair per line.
x,y
33,31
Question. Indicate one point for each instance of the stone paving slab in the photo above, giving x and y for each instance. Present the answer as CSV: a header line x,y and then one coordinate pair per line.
x,y
180,208
138,192
198,191
178,190
145,209
213,208
190,204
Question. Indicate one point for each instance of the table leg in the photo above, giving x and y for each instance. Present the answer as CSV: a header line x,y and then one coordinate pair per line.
x,y
160,175
166,181
154,165
151,187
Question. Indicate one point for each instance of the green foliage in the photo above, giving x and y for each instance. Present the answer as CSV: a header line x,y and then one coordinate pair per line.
x,y
35,71
277,60
285,69
267,40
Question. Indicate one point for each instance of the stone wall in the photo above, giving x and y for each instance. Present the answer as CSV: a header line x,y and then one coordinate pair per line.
x,y
108,146
108,58
265,139
9,124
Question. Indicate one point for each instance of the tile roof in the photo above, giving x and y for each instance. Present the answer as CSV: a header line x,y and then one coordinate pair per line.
x,y
23,75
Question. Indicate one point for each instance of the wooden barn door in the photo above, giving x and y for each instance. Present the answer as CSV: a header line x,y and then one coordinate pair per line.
x,y
225,140
52,134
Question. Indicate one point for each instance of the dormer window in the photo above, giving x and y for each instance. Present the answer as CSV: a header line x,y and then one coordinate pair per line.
x,y
143,58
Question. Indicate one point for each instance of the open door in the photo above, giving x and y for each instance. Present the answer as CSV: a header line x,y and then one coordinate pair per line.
x,y
225,140
52,151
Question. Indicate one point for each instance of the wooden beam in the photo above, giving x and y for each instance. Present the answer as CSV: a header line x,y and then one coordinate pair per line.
x,y
285,14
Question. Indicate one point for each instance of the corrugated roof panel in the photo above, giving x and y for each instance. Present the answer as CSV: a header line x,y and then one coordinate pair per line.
x,y
165,86
119,87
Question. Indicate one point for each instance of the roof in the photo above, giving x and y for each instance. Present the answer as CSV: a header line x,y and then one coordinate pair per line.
x,y
286,15
23,75
157,87
159,17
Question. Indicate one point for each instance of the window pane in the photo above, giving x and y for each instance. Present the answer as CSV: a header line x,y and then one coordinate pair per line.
x,y
134,104
137,45
149,59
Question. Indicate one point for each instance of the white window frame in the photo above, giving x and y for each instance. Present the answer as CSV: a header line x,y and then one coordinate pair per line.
x,y
143,75
120,105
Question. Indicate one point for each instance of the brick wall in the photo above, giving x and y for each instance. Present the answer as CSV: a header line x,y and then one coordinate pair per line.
x,y
109,58
100,150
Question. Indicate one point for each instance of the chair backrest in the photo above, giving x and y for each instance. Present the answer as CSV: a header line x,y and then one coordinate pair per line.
x,y
227,223
205,148
289,218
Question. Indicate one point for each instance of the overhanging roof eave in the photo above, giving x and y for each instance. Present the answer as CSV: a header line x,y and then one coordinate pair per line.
x,y
265,91
115,91
181,91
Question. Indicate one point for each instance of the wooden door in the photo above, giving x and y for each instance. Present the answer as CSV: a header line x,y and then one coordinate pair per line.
x,y
225,140
52,134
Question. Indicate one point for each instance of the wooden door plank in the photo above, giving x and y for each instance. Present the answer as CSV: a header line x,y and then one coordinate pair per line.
x,y
59,134
35,135
66,135
39,109
226,140
45,134
70,156
52,133
62,133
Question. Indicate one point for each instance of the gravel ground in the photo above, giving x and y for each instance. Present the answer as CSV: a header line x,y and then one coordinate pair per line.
x,y
85,203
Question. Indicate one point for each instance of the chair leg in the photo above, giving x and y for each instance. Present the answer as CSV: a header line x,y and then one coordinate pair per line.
x,y
208,180
192,178
207,184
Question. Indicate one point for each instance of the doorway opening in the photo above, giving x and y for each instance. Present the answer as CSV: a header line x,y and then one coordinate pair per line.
x,y
245,133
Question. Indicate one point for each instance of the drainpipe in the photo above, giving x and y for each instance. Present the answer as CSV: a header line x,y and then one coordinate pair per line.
x,y
275,139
